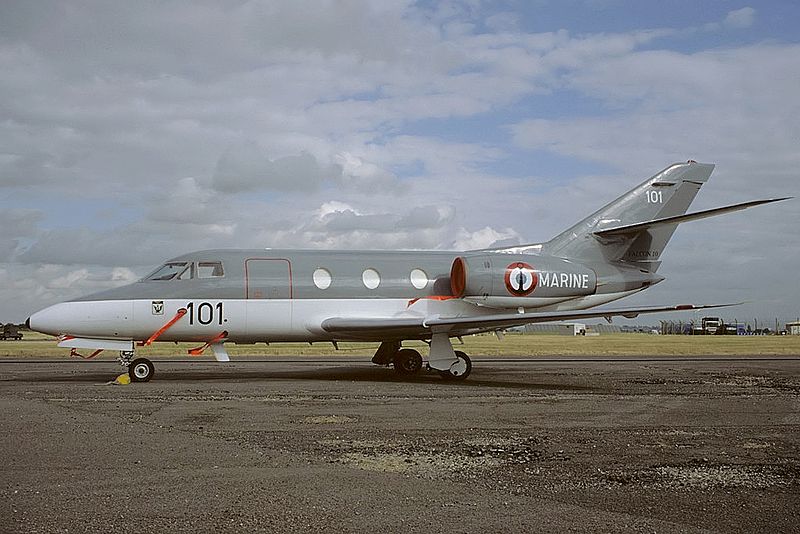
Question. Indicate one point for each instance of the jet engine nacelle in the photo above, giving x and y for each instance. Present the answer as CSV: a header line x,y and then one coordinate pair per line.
x,y
510,279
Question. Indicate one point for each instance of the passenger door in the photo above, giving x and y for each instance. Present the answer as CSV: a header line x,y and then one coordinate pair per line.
x,y
268,284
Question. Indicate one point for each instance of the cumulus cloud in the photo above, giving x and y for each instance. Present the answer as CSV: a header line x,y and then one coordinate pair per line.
x,y
78,246
83,279
355,172
486,237
8,247
30,288
350,221
205,125
736,19
16,222
427,217
503,21
682,106
245,168
740,18
332,207
185,201
26,168
339,225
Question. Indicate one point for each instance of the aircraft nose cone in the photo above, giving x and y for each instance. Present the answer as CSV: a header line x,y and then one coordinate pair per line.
x,y
84,319
44,321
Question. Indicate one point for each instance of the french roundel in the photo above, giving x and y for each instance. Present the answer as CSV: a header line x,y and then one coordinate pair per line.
x,y
520,279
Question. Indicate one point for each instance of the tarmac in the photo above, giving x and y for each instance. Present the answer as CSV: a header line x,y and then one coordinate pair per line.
x,y
628,444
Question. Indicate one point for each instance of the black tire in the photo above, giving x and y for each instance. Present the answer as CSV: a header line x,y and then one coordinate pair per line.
x,y
141,370
407,362
447,375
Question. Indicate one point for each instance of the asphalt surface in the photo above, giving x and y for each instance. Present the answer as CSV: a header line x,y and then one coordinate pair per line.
x,y
622,445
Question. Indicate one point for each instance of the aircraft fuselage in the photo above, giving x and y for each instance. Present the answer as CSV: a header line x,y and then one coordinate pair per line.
x,y
285,295
264,295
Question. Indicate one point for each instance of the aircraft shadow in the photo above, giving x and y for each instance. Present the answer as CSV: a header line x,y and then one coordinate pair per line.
x,y
333,374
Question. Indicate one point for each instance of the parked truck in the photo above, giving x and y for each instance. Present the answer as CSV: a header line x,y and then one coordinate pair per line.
x,y
10,331
713,325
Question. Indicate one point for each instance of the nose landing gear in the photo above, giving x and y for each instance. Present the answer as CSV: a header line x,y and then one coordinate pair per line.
x,y
139,369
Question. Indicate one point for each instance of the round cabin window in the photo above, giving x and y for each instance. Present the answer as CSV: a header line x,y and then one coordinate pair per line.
x,y
419,279
322,278
371,278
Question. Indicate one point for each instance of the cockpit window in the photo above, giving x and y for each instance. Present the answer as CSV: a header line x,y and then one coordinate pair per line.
x,y
186,270
170,270
187,273
210,269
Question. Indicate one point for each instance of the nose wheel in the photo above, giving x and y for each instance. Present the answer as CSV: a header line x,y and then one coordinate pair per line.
x,y
139,369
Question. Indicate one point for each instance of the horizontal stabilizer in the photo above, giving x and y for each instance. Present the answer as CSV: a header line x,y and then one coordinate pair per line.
x,y
630,229
419,327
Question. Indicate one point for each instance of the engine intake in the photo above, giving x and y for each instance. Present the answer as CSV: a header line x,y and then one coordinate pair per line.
x,y
519,275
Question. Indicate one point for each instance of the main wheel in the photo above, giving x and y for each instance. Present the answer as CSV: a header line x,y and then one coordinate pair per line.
x,y
141,370
460,369
407,362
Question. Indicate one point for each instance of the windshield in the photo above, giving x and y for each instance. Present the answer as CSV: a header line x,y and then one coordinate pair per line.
x,y
185,270
169,270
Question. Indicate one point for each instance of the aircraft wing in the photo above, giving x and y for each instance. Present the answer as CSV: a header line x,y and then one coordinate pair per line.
x,y
379,329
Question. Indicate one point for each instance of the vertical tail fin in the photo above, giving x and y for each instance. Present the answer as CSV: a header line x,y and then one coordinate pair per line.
x,y
668,193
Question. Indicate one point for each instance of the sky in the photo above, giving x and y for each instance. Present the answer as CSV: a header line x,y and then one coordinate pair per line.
x,y
132,132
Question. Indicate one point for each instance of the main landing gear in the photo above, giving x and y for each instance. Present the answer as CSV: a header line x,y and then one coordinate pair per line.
x,y
450,364
459,370
139,369
407,362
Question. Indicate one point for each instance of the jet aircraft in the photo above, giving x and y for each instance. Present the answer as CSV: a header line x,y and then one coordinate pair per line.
x,y
268,295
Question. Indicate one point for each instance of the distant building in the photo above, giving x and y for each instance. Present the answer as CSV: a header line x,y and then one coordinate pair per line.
x,y
605,328
793,329
563,329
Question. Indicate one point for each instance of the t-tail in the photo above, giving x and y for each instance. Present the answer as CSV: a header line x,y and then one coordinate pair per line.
x,y
635,228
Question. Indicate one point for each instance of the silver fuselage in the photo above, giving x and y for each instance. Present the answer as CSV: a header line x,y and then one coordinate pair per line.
x,y
270,295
